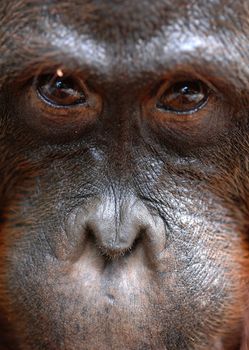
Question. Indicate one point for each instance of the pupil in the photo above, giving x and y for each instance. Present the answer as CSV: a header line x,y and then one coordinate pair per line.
x,y
61,85
189,89
185,90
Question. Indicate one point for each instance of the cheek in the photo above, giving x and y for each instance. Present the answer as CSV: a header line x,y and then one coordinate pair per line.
x,y
190,292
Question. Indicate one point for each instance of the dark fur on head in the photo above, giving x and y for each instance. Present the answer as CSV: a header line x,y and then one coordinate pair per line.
x,y
122,225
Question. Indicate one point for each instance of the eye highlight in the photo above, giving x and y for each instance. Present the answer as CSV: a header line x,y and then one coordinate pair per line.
x,y
61,91
184,97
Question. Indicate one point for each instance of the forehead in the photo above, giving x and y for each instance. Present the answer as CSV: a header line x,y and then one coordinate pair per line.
x,y
115,35
128,18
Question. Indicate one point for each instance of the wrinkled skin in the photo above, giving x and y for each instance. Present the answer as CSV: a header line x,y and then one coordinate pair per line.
x,y
123,227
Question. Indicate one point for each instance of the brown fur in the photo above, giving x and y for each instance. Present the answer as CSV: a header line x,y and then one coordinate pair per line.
x,y
77,183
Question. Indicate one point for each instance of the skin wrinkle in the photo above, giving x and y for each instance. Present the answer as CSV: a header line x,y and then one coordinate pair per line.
x,y
183,284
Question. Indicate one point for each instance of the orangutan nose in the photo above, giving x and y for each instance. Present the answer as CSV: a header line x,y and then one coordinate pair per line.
x,y
116,226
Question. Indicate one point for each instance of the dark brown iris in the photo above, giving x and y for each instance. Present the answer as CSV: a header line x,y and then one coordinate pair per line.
x,y
184,97
61,91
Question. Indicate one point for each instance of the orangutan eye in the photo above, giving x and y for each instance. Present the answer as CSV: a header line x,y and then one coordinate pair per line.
x,y
184,97
61,91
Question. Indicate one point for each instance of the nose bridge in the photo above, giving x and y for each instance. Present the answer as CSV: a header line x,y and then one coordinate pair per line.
x,y
121,134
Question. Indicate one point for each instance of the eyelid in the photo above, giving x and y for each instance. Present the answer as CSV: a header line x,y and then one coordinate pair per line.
x,y
213,82
190,111
57,106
